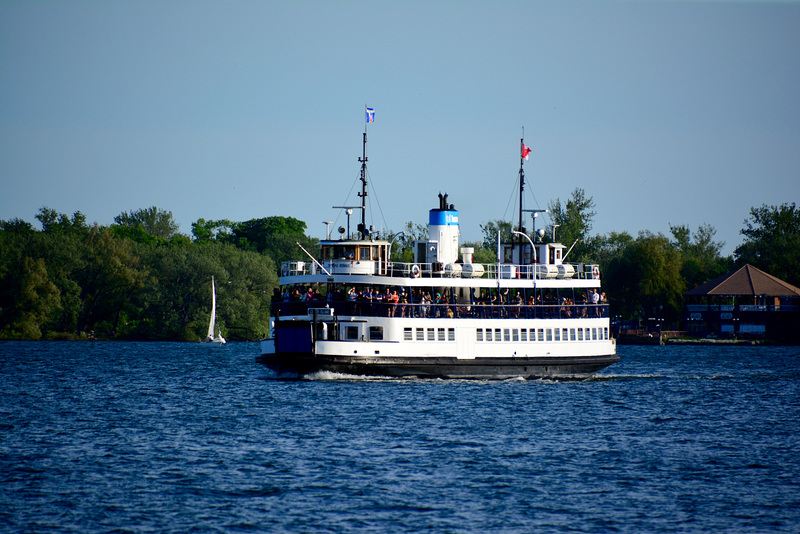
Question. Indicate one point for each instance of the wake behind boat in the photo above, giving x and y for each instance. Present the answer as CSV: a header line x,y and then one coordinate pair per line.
x,y
352,310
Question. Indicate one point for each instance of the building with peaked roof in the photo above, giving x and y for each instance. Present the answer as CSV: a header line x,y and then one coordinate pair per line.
x,y
746,302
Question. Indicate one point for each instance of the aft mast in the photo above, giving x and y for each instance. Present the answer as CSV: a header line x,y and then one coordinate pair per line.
x,y
523,155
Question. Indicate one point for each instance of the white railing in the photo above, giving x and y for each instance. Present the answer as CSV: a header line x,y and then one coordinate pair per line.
x,y
437,270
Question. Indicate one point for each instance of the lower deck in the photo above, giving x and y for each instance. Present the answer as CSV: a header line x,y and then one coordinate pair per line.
x,y
440,346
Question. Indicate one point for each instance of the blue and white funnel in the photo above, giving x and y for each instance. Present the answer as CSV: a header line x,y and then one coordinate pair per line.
x,y
443,229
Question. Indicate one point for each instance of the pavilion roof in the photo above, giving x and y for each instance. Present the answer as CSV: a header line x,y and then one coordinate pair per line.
x,y
746,281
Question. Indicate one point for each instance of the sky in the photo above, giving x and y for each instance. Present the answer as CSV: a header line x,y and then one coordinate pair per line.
x,y
663,112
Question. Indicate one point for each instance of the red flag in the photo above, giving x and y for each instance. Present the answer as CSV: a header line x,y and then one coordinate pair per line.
x,y
525,151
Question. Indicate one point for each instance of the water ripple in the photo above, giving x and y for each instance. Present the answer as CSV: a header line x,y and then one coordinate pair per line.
x,y
126,437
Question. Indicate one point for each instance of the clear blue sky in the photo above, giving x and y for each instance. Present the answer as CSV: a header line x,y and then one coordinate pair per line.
x,y
672,112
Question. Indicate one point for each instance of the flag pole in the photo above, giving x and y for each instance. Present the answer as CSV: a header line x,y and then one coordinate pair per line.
x,y
521,189
362,228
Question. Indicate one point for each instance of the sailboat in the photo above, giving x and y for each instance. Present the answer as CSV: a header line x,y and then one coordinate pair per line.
x,y
213,322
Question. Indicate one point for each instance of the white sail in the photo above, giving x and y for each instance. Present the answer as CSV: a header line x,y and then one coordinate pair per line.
x,y
213,321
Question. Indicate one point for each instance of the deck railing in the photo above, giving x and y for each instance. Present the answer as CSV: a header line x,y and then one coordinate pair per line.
x,y
443,311
437,270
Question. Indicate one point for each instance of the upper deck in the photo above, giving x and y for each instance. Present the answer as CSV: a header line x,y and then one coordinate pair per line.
x,y
367,262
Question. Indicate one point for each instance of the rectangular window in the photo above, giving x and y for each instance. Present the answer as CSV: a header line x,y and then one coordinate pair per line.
x,y
407,334
565,334
451,334
580,334
515,335
420,334
541,334
376,333
441,334
351,333
431,334
523,335
588,334
488,334
497,334
594,334
572,334
557,336
479,334
605,333
506,334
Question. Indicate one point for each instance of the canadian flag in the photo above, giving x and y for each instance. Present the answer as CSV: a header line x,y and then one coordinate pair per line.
x,y
525,151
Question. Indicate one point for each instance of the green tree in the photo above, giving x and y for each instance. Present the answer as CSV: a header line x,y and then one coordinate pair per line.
x,y
110,276
176,301
35,300
490,230
52,221
700,254
403,247
154,221
643,279
574,222
203,230
772,241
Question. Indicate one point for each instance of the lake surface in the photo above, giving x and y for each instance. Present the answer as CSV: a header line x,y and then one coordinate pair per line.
x,y
178,437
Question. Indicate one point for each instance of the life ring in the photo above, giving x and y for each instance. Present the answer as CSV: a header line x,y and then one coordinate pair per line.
x,y
595,272
415,271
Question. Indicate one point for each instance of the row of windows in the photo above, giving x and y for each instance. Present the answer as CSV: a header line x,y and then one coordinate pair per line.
x,y
505,334
429,334
541,334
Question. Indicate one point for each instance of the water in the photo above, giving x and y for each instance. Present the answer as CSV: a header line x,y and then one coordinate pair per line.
x,y
127,437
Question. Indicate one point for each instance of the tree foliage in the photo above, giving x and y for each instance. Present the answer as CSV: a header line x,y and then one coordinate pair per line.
x,y
644,279
71,280
772,241
152,221
402,248
700,254
490,230
276,236
574,222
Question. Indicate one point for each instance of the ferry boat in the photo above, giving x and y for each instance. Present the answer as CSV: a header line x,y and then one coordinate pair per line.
x,y
352,310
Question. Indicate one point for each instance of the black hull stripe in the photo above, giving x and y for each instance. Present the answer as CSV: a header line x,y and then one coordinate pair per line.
x,y
478,368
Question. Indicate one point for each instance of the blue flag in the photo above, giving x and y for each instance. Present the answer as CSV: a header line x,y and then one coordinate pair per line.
x,y
370,115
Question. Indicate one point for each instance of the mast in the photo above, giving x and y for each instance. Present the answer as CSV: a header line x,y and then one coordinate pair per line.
x,y
362,228
521,189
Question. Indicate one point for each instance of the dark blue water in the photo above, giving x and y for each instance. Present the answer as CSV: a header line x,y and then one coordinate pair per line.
x,y
126,437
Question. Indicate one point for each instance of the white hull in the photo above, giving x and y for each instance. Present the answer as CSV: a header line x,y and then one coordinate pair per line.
x,y
454,348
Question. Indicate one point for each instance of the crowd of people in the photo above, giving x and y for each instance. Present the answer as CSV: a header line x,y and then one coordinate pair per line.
x,y
417,302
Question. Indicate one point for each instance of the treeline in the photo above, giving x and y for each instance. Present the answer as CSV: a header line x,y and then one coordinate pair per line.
x,y
646,276
139,278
